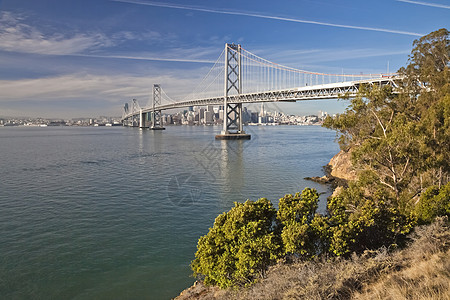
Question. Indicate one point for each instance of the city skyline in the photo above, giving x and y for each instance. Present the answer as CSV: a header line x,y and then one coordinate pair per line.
x,y
193,116
66,59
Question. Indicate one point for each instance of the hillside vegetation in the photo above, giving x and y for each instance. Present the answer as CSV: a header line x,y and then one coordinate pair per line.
x,y
420,271
400,149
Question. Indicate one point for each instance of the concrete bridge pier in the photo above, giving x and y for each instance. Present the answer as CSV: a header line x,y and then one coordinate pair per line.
x,y
143,119
157,123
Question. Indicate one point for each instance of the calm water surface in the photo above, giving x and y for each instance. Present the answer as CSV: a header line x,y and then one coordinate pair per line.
x,y
115,213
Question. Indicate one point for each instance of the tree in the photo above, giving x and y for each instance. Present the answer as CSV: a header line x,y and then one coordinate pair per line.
x,y
426,89
240,246
402,137
381,136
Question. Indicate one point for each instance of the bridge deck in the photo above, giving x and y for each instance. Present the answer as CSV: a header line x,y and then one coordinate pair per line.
x,y
313,92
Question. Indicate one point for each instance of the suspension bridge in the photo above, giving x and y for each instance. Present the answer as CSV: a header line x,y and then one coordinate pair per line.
x,y
238,77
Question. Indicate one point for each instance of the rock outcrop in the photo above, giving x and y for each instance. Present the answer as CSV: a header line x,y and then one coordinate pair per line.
x,y
340,166
338,171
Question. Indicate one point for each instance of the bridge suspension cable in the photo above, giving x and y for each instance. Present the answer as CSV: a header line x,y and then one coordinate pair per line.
x,y
259,76
212,82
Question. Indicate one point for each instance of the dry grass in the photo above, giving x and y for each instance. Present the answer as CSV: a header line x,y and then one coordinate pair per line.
x,y
427,274
421,271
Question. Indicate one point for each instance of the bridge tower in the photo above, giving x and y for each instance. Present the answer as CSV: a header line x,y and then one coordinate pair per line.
x,y
232,123
135,108
125,120
156,114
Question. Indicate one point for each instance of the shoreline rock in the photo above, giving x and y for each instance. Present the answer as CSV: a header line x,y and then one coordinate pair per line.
x,y
198,291
323,180
338,172
341,167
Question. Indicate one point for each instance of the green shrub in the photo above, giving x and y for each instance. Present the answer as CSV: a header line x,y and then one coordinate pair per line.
x,y
366,224
240,246
433,202
295,213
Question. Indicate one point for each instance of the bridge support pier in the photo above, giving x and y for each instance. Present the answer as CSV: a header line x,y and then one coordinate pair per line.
x,y
232,119
142,119
157,123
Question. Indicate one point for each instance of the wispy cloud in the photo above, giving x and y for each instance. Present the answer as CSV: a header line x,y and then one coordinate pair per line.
x,y
329,55
426,4
88,86
263,16
16,36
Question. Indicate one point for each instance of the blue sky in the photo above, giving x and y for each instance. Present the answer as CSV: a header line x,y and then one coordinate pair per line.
x,y
86,58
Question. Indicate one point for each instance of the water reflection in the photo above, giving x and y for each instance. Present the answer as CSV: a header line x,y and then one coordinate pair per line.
x,y
232,168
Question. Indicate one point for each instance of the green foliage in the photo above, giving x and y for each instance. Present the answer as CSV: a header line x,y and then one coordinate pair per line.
x,y
295,214
401,144
299,208
244,241
367,223
403,138
433,202
296,239
240,246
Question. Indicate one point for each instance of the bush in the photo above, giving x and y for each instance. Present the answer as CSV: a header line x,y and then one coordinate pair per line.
x,y
433,202
240,246
368,223
244,241
295,213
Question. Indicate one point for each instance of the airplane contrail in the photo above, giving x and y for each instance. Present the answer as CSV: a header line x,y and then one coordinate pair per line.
x,y
146,58
256,15
426,3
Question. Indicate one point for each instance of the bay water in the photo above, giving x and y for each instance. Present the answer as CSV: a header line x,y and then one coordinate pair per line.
x,y
116,212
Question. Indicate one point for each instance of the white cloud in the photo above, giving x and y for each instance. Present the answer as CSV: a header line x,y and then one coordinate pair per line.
x,y
204,55
88,86
148,58
67,95
139,36
16,36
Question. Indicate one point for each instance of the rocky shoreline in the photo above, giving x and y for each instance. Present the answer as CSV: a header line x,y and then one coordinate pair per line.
x,y
338,171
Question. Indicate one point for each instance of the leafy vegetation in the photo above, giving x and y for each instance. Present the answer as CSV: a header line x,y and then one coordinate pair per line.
x,y
420,271
400,141
240,246
401,138
433,202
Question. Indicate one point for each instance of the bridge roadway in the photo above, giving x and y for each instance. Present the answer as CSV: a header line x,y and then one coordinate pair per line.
x,y
313,92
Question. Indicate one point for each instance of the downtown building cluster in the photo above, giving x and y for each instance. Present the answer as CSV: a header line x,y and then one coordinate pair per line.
x,y
211,115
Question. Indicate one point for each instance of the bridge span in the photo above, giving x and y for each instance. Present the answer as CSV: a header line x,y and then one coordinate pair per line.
x,y
243,77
